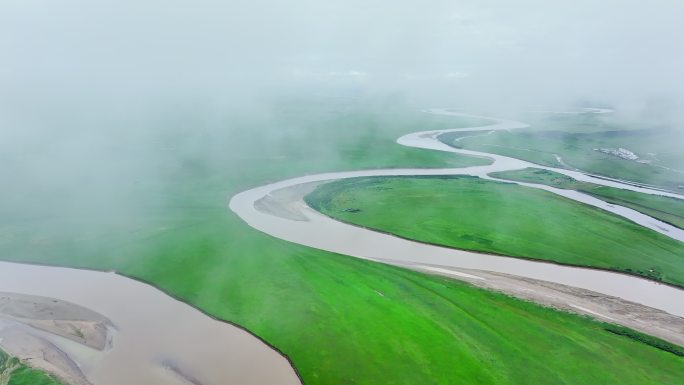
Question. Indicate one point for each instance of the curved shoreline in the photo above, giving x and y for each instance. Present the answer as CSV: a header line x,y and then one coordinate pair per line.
x,y
321,232
154,332
388,233
162,338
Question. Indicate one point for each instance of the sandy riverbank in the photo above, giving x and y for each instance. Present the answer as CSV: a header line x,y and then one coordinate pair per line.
x,y
28,323
595,305
147,336
414,255
57,317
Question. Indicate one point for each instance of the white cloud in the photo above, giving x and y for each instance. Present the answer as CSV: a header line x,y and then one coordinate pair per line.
x,y
457,75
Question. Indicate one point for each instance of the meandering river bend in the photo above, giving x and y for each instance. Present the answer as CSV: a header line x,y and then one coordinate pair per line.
x,y
160,340
310,228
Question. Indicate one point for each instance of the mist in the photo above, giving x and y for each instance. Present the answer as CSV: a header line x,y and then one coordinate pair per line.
x,y
66,53
177,143
91,93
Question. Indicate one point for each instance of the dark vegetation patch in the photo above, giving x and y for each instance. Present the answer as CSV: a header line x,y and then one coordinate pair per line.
x,y
646,339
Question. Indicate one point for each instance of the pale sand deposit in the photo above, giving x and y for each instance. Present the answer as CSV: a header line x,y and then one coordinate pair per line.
x,y
430,259
282,218
122,331
37,351
57,317
28,321
602,307
155,339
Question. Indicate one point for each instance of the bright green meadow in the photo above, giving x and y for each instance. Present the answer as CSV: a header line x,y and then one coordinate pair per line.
x,y
158,212
502,218
576,138
666,209
14,372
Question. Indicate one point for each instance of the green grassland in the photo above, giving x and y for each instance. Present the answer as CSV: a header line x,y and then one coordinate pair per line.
x,y
576,138
577,123
670,210
502,218
14,372
340,320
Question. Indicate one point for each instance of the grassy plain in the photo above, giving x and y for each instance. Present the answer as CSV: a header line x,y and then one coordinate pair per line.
x,y
501,218
666,209
163,218
575,139
14,372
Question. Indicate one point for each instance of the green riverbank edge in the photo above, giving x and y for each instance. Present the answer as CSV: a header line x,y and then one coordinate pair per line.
x,y
666,209
339,320
502,218
15,372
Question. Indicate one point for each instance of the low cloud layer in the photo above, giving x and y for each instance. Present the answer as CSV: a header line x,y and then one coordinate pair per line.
x,y
484,52
106,105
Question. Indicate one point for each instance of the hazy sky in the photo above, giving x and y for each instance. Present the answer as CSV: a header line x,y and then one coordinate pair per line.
x,y
493,51
99,99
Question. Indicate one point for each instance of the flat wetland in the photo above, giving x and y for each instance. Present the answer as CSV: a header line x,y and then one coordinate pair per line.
x,y
505,219
573,142
666,209
337,318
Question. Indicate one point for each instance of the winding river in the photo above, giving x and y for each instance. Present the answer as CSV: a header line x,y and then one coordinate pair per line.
x,y
156,339
307,227
160,340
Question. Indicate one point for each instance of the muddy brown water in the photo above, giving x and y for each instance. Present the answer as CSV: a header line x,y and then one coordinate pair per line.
x,y
322,232
160,340
157,339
